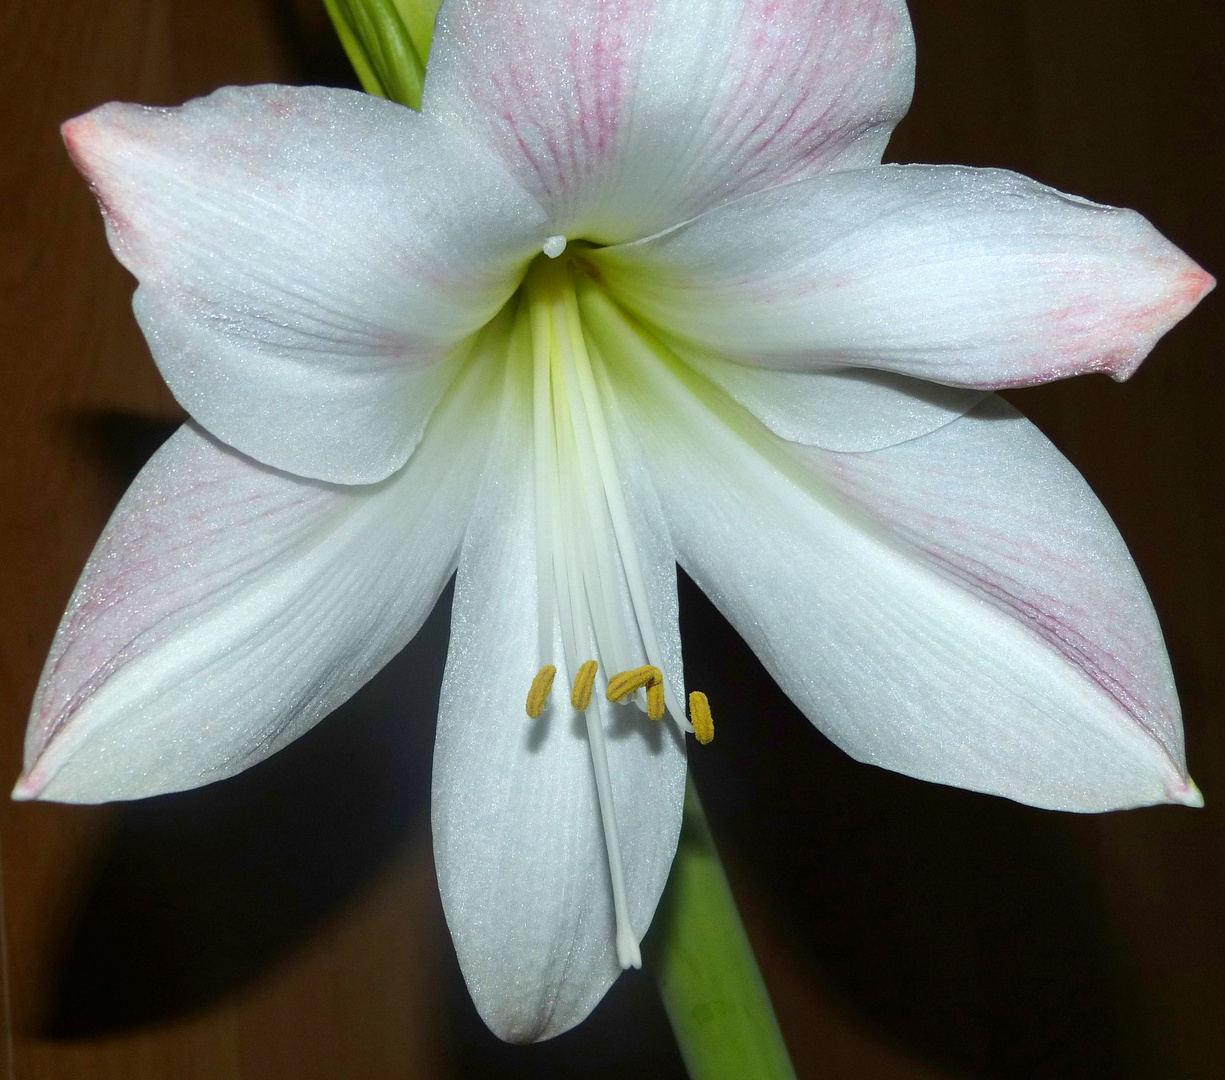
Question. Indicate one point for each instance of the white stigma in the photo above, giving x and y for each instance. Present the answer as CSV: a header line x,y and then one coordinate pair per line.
x,y
554,246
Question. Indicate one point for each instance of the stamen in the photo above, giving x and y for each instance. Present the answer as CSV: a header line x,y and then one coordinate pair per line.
x,y
655,700
699,713
592,588
580,696
538,695
625,683
616,506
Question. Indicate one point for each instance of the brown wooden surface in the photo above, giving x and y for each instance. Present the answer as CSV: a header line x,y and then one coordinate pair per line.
x,y
286,924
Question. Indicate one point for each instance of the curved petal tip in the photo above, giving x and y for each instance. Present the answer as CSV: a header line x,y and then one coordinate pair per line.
x,y
1185,291
1197,284
74,131
1187,794
30,785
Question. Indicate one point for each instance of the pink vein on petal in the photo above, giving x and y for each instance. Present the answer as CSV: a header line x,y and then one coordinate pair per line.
x,y
164,562
558,105
990,560
806,69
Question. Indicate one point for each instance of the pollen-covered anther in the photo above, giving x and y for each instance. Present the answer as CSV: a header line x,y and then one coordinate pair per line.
x,y
538,695
580,696
625,683
655,700
699,714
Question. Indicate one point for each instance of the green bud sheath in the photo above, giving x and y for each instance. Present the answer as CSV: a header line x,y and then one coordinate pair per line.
x,y
388,43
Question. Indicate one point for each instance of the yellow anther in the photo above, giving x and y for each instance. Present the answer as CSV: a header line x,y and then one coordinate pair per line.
x,y
625,683
539,693
699,713
655,700
580,696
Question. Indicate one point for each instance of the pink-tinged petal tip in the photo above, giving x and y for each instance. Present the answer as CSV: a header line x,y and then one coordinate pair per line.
x,y
72,130
1196,284
76,134
80,135
29,786
1187,793
1187,287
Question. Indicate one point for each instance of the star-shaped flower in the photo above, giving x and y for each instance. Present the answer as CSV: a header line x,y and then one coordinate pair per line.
x,y
633,290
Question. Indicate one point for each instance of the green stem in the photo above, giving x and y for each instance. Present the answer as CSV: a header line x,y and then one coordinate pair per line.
x,y
712,990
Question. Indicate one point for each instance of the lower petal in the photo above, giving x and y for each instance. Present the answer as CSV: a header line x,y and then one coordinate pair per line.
x,y
228,607
521,857
992,505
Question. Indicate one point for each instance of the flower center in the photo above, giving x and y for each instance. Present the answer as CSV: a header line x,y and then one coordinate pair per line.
x,y
594,618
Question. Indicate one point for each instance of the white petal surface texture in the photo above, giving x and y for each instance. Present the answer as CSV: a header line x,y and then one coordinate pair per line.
x,y
228,607
958,608
308,259
624,117
991,503
969,277
521,856
850,409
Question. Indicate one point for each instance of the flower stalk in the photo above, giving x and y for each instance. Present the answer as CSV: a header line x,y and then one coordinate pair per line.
x,y
712,989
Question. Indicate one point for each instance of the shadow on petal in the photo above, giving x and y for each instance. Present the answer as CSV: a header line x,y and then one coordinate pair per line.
x,y
116,444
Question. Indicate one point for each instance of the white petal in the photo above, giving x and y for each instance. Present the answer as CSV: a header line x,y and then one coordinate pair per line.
x,y
997,638
990,502
627,118
229,607
522,865
848,409
971,277
305,256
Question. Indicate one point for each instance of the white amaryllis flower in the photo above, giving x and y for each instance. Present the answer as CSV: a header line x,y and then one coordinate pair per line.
x,y
633,290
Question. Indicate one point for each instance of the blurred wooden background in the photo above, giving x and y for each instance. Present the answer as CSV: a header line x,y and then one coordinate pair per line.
x,y
286,924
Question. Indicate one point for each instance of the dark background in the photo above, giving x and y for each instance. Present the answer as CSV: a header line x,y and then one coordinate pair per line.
x,y
286,923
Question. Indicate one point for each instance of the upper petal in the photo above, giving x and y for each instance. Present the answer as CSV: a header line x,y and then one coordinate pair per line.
x,y
305,257
624,117
228,607
970,277
521,856
958,608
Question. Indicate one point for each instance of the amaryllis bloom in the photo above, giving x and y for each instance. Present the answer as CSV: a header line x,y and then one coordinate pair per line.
x,y
633,290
